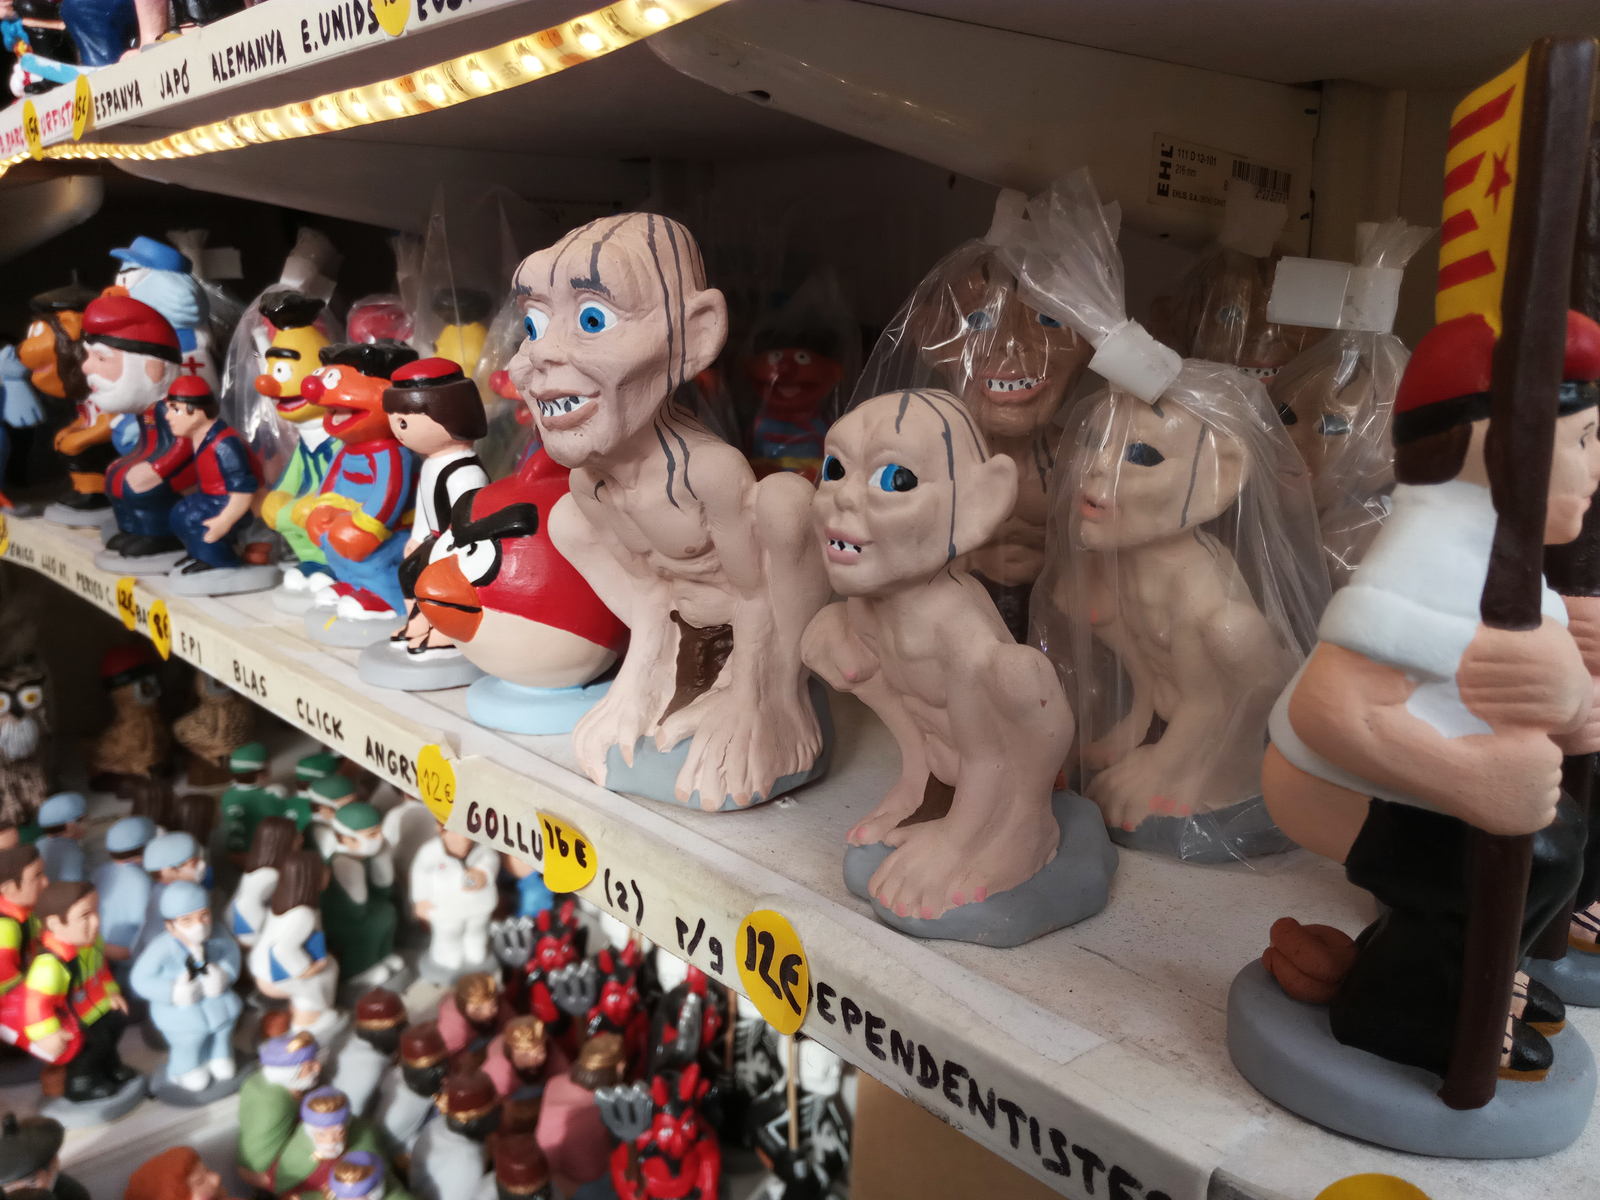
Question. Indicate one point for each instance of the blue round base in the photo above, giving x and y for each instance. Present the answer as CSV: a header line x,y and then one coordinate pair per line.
x,y
496,704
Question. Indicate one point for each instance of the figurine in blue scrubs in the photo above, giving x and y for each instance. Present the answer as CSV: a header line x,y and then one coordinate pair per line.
x,y
61,818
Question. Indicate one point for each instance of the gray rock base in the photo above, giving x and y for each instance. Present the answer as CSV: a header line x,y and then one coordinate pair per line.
x,y
73,518
1072,886
180,1097
224,581
345,633
144,565
1243,830
84,1113
1287,1051
1575,978
388,664
654,773
293,603
432,972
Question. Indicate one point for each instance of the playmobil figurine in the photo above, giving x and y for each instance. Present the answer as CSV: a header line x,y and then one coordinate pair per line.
x,y
327,1131
60,827
214,730
436,413
208,518
131,361
269,1103
714,574
365,500
449,1158
124,888
137,743
405,1097
358,911
453,890
907,486
293,355
290,960
496,586
369,1053
19,408
463,311
30,1158
22,880
187,975
24,721
571,1128
156,274
53,351
664,1138
177,1173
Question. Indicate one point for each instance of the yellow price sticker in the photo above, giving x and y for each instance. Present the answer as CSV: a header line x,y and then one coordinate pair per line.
x,y
82,108
392,15
127,608
773,969
436,780
1372,1187
5,533
161,628
30,131
569,857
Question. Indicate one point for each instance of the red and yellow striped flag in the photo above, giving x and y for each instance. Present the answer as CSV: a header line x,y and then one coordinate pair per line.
x,y
1480,173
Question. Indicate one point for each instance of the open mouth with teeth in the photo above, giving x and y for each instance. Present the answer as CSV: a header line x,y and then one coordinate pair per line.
x,y
562,405
841,551
1015,389
1262,373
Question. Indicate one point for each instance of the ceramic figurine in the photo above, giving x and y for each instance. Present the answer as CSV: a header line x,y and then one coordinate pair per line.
x,y
369,1053
436,413
169,858
572,1130
522,1062
683,1027
53,351
208,519
131,360
30,1158
539,950
908,485
664,1137
450,1158
1183,572
360,1175
532,894
379,318
243,810
269,1104
177,1173
214,730
137,743
967,330
327,1131
187,975
712,705
290,959
473,1014
24,721
124,888
292,356
60,827
1412,725
198,816
19,408
104,30
463,311
356,517
22,880
310,770
405,1097
328,796
453,890
521,1169
358,912
822,1156
499,589
156,274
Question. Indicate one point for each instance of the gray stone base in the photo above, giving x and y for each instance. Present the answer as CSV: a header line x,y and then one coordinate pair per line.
x,y
388,664
1072,886
180,1097
430,970
293,603
1575,978
654,773
322,626
74,518
82,1114
143,565
1243,830
225,581
1287,1051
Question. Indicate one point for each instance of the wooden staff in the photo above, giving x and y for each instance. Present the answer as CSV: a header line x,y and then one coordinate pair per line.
x,y
1525,378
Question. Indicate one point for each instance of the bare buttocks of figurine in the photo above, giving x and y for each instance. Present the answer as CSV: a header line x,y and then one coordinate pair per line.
x,y
664,520
1169,601
907,487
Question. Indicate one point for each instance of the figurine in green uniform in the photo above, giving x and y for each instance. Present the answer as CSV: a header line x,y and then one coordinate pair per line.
x,y
269,1104
249,800
358,913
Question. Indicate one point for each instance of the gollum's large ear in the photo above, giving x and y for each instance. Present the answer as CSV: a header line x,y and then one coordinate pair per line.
x,y
985,494
1219,476
705,330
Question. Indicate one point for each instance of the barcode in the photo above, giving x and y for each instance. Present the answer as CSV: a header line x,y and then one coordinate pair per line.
x,y
1264,179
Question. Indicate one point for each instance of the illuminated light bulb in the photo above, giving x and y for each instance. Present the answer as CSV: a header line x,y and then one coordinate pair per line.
x,y
435,93
272,128
591,42
166,153
656,15
393,102
480,78
360,110
298,123
534,65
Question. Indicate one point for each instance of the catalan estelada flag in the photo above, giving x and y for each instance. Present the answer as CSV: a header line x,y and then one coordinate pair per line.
x,y
1480,174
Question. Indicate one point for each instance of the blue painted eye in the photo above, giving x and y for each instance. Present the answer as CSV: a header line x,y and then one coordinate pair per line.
x,y
1048,321
595,317
1143,454
832,469
979,320
536,322
892,477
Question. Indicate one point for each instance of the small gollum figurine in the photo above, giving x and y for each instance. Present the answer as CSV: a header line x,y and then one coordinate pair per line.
x,y
714,574
957,847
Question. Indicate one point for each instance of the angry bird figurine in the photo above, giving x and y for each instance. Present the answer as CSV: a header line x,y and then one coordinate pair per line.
x,y
365,499
497,586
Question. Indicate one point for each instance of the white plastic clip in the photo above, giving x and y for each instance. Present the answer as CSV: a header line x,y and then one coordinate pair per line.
x,y
1134,361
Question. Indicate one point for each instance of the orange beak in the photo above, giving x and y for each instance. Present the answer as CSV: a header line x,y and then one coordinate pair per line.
x,y
447,598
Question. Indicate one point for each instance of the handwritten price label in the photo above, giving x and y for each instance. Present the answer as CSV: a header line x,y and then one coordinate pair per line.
x,y
127,609
773,969
436,780
569,858
5,533
82,108
30,130
392,15
160,621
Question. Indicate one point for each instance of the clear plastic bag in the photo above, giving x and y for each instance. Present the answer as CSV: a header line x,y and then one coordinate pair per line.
x,y
1336,399
512,435
968,330
1183,580
467,262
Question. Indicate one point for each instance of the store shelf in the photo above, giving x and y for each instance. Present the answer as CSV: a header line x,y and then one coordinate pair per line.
x,y
1108,1035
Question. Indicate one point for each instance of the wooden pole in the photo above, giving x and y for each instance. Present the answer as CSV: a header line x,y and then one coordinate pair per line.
x,y
794,1091
1523,384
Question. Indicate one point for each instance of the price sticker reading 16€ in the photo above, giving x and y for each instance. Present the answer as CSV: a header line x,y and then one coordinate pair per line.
x,y
569,858
773,969
127,608
436,780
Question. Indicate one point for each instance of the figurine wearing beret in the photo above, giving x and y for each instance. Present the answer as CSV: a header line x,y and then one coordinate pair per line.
x,y
30,1157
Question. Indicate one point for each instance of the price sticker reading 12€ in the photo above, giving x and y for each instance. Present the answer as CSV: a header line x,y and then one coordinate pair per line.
x,y
127,609
773,969
436,780
569,858
160,625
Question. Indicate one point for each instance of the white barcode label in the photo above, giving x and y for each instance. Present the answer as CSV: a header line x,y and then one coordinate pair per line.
x,y
1196,176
